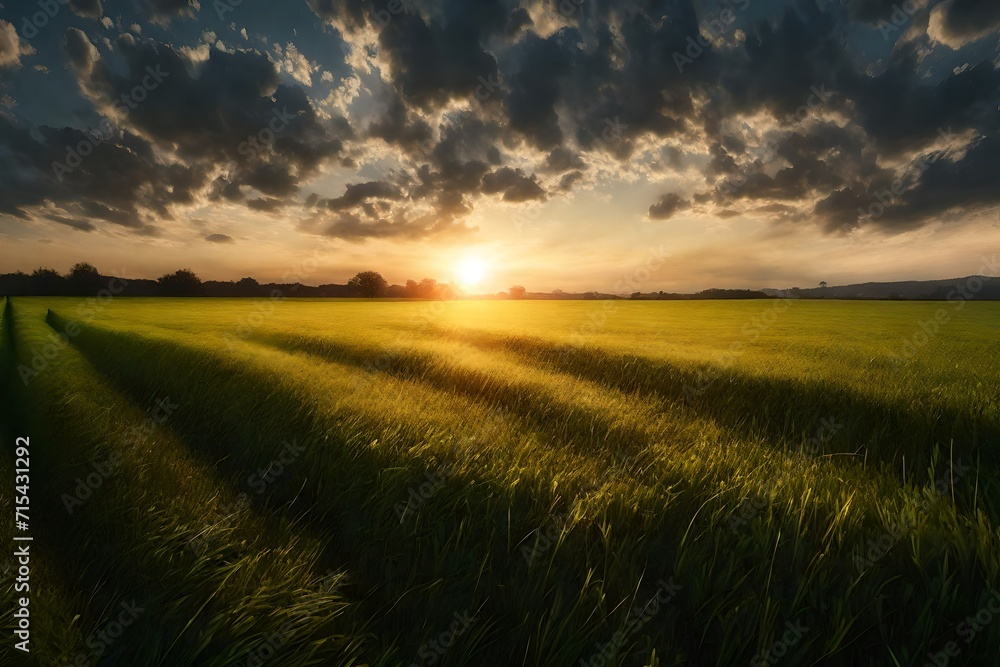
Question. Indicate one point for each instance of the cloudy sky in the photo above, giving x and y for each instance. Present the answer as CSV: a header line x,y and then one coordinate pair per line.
x,y
560,143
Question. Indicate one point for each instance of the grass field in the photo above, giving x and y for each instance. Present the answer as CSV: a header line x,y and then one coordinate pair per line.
x,y
324,482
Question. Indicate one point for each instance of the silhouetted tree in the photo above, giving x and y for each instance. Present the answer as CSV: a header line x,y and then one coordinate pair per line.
x,y
84,279
180,283
47,282
427,288
517,292
396,292
248,286
368,283
822,283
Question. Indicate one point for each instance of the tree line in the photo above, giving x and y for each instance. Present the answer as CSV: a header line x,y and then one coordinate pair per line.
x,y
83,279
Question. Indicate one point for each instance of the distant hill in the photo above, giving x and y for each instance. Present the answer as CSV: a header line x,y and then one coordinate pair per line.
x,y
901,290
52,284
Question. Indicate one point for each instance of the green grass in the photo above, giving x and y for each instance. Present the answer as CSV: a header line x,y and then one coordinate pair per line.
x,y
572,456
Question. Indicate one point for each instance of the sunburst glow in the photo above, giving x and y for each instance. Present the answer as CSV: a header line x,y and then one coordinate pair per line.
x,y
470,272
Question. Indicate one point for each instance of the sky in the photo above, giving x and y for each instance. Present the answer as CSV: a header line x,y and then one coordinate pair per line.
x,y
580,145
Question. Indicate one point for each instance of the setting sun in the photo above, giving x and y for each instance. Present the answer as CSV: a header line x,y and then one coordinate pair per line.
x,y
470,272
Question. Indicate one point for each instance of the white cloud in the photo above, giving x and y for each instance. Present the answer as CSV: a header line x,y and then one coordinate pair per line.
x,y
11,48
293,63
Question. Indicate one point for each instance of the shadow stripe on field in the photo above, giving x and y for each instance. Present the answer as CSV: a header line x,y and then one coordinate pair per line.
x,y
780,409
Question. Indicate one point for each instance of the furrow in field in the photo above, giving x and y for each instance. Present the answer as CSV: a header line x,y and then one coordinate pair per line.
x,y
654,428
359,467
778,409
633,432
525,395
52,605
593,420
149,527
463,546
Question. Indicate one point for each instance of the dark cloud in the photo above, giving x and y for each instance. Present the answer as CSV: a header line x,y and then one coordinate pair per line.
x,y
88,8
561,159
433,63
535,91
81,51
567,182
667,206
265,204
111,184
75,223
358,193
350,227
943,182
219,238
970,19
171,137
163,11
515,186
794,106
